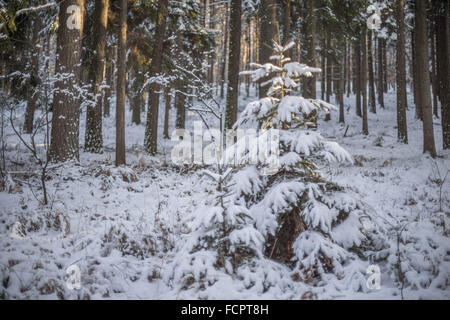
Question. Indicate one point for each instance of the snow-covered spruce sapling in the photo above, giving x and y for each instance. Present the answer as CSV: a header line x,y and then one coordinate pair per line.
x,y
220,240
311,224
223,247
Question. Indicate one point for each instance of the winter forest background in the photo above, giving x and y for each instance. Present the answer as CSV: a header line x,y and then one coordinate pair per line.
x,y
121,175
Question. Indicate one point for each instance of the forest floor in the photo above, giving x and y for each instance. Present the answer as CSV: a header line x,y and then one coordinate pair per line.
x,y
119,225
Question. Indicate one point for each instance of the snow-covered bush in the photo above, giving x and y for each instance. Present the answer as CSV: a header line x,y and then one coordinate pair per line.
x,y
223,248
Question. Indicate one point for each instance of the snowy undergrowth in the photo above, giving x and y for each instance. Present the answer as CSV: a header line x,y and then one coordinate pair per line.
x,y
124,227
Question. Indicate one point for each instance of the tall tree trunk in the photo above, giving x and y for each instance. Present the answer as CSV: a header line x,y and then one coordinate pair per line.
x,y
402,131
234,61
420,29
310,82
93,135
329,75
381,72
265,40
433,78
109,84
287,24
33,95
66,104
322,77
224,53
443,67
372,102
416,77
349,69
365,126
121,85
167,100
180,119
341,85
151,128
137,83
329,67
385,67
358,79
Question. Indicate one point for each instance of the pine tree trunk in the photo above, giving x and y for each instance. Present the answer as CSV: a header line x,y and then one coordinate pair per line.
x,y
108,89
402,132
416,76
32,94
341,85
385,67
345,65
423,73
323,68
180,119
121,85
443,67
66,104
234,62
265,40
381,73
434,82
287,25
372,102
93,135
310,82
151,128
349,70
137,83
166,112
329,68
224,53
365,126
358,79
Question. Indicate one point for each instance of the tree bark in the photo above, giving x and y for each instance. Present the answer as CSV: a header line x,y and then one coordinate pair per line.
x,y
137,83
341,85
93,135
423,85
402,132
108,89
181,111
443,67
66,103
310,82
287,24
365,126
121,85
224,53
167,101
151,129
329,67
234,62
433,78
416,78
32,93
372,102
266,36
381,70
358,79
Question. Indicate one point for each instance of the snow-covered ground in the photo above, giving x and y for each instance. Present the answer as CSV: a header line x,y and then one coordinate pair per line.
x,y
121,226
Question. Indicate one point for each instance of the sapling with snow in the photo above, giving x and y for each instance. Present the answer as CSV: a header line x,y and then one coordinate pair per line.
x,y
308,223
